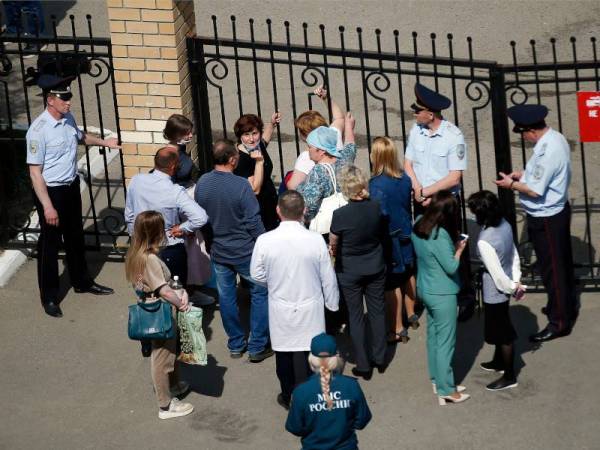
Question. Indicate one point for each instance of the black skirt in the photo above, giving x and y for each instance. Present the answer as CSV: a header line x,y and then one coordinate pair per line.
x,y
498,328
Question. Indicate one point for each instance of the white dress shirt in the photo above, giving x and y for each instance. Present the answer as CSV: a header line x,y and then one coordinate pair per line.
x,y
294,264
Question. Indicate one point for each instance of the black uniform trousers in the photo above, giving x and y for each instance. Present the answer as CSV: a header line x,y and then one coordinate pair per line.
x,y
551,238
67,203
292,369
353,288
175,258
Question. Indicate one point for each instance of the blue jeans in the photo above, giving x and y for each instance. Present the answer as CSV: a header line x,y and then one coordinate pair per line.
x,y
230,314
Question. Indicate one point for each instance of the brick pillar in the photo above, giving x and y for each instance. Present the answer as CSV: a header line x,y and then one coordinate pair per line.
x,y
151,72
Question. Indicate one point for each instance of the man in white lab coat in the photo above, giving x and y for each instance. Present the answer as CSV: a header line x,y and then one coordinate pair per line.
x,y
294,264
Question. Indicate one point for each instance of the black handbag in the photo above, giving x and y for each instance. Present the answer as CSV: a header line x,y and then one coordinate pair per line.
x,y
151,321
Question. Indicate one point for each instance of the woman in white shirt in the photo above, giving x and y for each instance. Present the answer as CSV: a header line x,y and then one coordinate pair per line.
x,y
500,258
307,122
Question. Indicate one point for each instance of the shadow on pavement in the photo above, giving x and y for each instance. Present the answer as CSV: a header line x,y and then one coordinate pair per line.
x,y
206,380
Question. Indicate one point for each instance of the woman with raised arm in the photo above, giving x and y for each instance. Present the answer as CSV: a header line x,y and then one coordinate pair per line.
x,y
322,148
307,122
256,165
150,278
438,247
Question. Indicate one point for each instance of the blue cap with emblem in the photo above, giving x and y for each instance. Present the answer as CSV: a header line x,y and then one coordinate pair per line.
x,y
429,100
528,117
55,85
323,345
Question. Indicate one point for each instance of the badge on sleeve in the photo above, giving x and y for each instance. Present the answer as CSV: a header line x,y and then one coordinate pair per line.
x,y
460,151
33,147
538,171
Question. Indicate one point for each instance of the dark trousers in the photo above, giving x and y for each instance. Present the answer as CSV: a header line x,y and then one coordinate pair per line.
x,y
175,258
551,238
292,369
67,202
353,288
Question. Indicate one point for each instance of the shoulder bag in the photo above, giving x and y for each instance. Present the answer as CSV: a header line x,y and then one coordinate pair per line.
x,y
151,321
322,221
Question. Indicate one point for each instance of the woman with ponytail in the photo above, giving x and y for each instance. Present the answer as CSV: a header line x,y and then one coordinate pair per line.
x,y
328,407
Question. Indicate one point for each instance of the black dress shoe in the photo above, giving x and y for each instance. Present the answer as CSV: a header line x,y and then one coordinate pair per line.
x,y
261,356
96,289
547,335
364,374
52,309
380,367
281,401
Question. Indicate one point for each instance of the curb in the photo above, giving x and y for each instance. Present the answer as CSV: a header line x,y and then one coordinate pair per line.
x,y
11,260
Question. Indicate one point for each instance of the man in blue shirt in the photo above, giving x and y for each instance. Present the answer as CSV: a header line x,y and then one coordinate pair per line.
x,y
435,158
328,407
235,225
543,191
156,191
52,141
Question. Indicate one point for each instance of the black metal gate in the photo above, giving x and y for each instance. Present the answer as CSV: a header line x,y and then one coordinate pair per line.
x,y
22,60
231,77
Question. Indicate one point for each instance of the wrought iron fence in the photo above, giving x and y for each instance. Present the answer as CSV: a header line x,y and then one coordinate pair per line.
x,y
232,76
22,59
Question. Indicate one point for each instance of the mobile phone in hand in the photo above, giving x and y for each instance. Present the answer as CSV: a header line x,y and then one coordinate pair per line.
x,y
463,237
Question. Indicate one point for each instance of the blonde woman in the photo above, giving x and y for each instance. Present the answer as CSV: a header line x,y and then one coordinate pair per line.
x,y
355,240
328,407
150,277
392,189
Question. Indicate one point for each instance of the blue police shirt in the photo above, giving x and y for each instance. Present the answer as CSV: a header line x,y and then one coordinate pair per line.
x,y
52,144
321,428
434,155
548,174
156,192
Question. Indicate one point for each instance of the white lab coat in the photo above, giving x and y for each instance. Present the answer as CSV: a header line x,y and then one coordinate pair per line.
x,y
294,264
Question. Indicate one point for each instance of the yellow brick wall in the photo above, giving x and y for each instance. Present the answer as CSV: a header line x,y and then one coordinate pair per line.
x,y
151,74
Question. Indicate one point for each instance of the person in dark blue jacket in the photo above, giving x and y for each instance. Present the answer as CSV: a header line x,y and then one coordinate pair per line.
x,y
392,189
327,408
179,131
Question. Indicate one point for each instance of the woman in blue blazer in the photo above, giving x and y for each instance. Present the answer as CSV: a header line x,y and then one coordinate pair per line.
x,y
438,247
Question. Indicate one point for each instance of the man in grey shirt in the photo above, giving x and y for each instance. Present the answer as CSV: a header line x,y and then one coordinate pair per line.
x,y
155,191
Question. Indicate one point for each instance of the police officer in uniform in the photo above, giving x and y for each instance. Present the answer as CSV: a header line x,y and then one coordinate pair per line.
x,y
543,191
52,141
435,158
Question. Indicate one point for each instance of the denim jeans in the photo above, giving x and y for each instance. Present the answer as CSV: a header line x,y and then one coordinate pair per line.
x,y
230,314
30,11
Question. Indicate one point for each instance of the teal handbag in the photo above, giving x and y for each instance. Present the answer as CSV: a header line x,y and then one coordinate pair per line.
x,y
151,321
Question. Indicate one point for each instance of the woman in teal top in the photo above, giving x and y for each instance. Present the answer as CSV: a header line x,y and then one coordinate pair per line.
x,y
438,248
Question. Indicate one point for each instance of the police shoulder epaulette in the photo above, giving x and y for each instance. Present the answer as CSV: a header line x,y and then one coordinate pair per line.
x,y
454,129
38,126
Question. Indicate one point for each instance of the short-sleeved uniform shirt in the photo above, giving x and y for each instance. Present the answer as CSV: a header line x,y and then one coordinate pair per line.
x,y
52,144
433,156
548,174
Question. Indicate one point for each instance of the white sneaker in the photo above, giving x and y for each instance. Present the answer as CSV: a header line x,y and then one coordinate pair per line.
x,y
181,388
177,408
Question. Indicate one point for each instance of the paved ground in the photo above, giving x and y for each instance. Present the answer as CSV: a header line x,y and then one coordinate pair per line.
x,y
79,383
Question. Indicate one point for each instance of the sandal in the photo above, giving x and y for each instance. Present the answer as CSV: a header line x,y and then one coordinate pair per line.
x,y
413,321
397,337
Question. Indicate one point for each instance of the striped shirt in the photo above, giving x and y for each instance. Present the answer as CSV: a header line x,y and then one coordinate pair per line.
x,y
234,215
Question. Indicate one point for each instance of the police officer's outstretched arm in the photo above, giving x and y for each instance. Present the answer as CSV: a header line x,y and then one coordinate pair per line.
x,y
90,139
